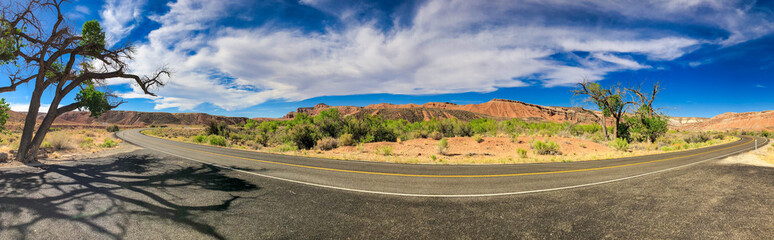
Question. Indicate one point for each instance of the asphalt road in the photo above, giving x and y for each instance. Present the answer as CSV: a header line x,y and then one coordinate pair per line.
x,y
436,180
147,194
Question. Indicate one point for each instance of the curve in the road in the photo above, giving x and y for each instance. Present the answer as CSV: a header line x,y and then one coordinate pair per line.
x,y
477,181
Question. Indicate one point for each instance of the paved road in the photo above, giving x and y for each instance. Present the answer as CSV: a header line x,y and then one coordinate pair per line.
x,y
147,194
436,180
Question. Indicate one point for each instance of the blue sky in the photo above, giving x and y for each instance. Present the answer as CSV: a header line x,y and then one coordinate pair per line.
x,y
265,58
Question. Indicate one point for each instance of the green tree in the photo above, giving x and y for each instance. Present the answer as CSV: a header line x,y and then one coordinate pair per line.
x,y
4,108
53,57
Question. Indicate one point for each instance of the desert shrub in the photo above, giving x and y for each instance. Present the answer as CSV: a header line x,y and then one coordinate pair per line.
x,y
327,143
435,135
418,133
443,146
216,128
305,135
329,122
262,138
545,148
478,138
46,144
522,152
696,138
384,150
286,147
113,128
217,140
200,139
483,126
108,143
251,124
86,143
60,141
346,140
619,144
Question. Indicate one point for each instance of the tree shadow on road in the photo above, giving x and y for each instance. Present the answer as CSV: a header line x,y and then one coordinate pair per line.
x,y
130,184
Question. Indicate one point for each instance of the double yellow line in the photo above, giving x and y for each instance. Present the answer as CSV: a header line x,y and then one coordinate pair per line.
x,y
446,176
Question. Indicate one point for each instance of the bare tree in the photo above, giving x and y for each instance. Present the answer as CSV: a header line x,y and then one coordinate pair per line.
x,y
645,99
609,101
596,95
53,56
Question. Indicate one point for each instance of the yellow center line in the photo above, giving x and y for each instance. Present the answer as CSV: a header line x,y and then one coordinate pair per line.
x,y
449,176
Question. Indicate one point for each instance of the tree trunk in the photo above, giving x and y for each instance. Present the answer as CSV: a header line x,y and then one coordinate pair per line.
x,y
615,129
29,124
604,127
45,125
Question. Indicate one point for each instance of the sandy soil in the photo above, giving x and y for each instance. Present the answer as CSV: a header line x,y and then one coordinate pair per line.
x,y
763,158
491,150
75,148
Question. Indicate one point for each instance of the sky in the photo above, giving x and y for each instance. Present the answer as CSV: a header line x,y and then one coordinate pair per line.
x,y
266,58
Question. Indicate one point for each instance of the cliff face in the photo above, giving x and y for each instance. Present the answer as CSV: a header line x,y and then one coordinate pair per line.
x,y
313,111
735,121
496,108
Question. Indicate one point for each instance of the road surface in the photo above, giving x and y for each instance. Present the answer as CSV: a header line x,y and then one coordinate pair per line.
x,y
160,193
436,180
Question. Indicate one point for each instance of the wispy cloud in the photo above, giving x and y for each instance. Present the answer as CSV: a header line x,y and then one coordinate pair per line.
x,y
448,47
759,86
120,17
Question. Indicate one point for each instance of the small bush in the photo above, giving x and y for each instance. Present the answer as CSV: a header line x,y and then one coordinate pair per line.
x,y
45,144
478,138
287,147
87,143
697,138
217,140
108,143
200,139
436,135
113,128
60,141
433,157
619,144
385,150
327,143
360,147
443,146
346,140
546,148
522,152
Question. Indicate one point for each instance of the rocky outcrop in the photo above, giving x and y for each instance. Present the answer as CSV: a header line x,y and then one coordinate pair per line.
x,y
735,121
496,108
313,111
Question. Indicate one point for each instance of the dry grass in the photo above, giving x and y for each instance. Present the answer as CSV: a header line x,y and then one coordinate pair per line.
x,y
767,153
65,142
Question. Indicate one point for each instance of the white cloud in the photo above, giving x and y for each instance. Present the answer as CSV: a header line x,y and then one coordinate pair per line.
x,y
25,107
120,17
449,47
82,9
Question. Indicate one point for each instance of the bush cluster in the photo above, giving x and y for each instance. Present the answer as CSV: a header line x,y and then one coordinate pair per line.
x,y
305,132
113,128
545,148
619,144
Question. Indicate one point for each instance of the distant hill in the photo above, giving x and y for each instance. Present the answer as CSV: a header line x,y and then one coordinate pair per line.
x,y
735,121
134,118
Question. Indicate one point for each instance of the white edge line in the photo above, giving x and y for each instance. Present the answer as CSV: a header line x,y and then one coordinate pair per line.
x,y
455,195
